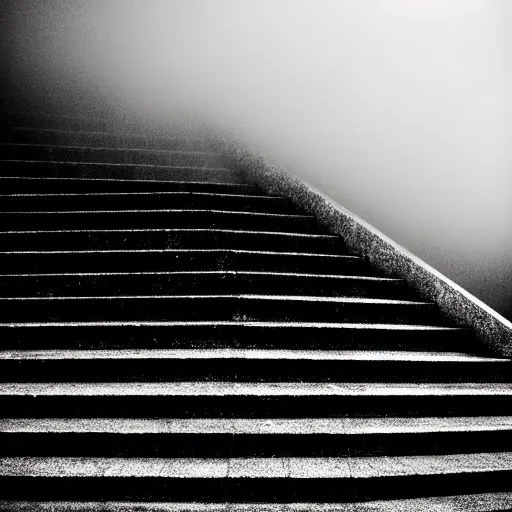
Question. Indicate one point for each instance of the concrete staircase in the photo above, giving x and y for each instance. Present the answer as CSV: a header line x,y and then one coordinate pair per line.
x,y
174,339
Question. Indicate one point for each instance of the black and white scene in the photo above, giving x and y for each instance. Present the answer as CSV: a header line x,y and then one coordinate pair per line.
x,y
255,255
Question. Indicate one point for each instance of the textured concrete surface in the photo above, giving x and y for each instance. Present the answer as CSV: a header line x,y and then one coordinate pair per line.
x,y
384,254
274,467
252,389
335,426
464,503
240,353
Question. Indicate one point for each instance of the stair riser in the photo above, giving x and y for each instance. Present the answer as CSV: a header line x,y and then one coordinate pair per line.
x,y
198,284
243,370
70,186
311,338
215,308
250,489
253,407
98,240
38,263
97,140
155,220
107,155
67,444
109,171
145,202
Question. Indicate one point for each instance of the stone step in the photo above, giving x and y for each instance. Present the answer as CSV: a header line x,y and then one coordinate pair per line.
x,y
104,239
253,365
235,334
54,169
145,201
219,282
97,139
326,479
219,307
253,399
31,152
153,218
175,260
38,185
483,502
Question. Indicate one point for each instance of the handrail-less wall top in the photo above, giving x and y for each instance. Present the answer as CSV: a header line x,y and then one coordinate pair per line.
x,y
383,253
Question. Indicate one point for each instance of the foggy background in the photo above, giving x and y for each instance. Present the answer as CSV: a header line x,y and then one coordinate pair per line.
x,y
401,110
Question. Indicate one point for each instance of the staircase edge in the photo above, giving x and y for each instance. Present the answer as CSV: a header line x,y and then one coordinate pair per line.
x,y
383,253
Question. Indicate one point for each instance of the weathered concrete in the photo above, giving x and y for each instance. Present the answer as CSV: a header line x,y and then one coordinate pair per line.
x,y
256,467
256,426
463,503
383,253
246,389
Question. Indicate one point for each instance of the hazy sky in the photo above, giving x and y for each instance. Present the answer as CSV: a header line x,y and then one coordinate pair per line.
x,y
401,110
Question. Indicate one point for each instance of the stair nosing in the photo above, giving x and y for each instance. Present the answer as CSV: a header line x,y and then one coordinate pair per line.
x,y
216,272
161,210
145,230
252,354
242,324
245,389
142,251
282,298
150,193
116,180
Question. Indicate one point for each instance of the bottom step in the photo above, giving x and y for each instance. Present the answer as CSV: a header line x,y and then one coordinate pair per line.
x,y
286,479
488,502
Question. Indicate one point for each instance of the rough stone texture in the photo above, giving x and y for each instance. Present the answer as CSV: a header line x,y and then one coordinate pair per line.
x,y
259,389
465,503
257,467
258,426
383,253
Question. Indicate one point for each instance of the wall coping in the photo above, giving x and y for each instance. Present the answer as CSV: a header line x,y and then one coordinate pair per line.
x,y
383,253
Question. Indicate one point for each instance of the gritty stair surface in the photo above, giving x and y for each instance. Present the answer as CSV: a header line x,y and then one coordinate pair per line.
x,y
487,502
174,339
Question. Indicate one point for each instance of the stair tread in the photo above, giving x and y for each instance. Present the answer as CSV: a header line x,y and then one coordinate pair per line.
x,y
204,388
334,426
484,502
285,467
254,354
